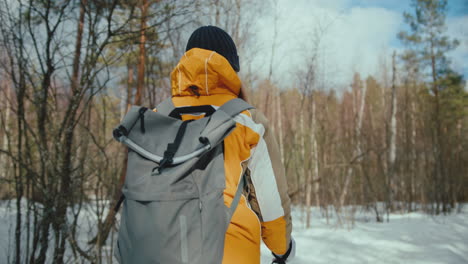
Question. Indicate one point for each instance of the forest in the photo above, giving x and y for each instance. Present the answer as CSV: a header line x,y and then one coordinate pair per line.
x,y
70,69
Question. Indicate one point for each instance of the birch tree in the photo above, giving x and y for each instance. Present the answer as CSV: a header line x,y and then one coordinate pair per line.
x,y
357,152
392,139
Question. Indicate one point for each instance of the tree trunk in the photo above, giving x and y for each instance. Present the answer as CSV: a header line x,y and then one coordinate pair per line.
x,y
308,197
79,38
129,89
357,150
279,121
5,141
126,92
392,141
142,57
105,228
306,176
18,170
60,223
273,43
439,174
217,12
315,176
312,182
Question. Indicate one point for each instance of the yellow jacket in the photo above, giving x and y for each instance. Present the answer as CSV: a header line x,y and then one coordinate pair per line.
x,y
264,210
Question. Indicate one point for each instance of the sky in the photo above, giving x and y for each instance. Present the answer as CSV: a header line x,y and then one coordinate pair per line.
x,y
352,36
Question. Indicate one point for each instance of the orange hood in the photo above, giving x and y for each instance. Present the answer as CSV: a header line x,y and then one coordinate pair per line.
x,y
207,70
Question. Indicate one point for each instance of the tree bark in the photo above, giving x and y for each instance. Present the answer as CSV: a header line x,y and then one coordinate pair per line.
x,y
392,140
60,223
306,176
142,53
5,141
316,176
357,151
109,221
439,181
280,125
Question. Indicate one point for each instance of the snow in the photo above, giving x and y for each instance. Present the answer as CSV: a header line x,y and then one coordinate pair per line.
x,y
407,238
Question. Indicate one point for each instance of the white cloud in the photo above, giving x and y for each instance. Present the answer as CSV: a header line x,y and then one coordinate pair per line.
x,y
458,29
356,38
361,37
353,39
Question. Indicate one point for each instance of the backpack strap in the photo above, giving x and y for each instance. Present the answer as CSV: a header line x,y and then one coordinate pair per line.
x,y
222,120
237,196
235,106
166,106
232,107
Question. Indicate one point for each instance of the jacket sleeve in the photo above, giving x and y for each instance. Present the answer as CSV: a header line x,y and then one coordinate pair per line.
x,y
268,189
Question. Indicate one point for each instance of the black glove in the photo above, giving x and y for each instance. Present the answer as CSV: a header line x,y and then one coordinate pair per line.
x,y
281,259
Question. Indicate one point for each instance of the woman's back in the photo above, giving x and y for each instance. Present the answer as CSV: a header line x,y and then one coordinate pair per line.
x,y
204,77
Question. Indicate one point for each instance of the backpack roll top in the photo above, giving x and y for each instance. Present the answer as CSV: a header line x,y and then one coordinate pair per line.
x,y
149,134
203,133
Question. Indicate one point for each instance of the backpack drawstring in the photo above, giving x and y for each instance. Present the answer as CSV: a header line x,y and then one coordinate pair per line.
x,y
141,116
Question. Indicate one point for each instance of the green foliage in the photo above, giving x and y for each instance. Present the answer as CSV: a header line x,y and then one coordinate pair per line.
x,y
442,101
426,40
454,99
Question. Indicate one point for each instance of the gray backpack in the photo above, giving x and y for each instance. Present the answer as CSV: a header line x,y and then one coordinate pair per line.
x,y
174,208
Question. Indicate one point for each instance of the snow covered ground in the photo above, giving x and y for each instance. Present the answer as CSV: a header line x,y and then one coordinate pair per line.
x,y
408,238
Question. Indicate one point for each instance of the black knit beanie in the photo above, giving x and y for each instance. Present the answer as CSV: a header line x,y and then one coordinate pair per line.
x,y
216,39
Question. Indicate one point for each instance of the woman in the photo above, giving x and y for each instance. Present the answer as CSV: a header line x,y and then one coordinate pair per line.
x,y
206,75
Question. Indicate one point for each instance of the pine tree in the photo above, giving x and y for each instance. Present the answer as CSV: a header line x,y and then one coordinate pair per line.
x,y
428,45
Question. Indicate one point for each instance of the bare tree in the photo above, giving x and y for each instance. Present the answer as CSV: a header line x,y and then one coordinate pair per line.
x,y
392,140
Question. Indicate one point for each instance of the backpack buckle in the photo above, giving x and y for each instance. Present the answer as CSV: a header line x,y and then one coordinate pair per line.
x,y
164,162
167,160
172,148
119,132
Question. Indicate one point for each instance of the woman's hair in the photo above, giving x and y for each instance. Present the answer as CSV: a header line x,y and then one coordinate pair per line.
x,y
243,94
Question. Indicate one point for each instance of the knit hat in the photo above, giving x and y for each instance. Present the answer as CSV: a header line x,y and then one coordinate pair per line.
x,y
216,39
